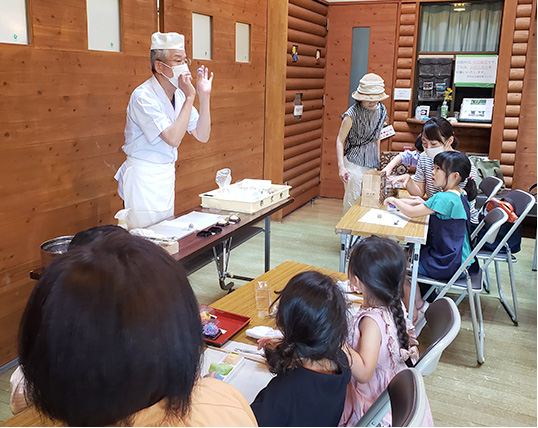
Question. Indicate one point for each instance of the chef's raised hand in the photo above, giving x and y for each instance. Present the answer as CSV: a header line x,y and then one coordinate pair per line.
x,y
185,84
204,80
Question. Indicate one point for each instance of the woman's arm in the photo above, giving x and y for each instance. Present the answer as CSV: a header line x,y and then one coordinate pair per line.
x,y
408,209
340,142
363,361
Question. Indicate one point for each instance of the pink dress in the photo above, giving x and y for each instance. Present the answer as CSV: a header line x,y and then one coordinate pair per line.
x,y
360,396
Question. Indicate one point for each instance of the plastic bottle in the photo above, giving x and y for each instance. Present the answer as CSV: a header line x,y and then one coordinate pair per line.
x,y
263,299
444,109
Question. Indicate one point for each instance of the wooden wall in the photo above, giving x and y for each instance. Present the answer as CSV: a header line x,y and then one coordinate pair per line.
x,y
525,156
237,99
307,29
381,17
63,116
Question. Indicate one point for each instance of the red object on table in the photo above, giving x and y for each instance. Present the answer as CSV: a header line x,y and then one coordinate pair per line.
x,y
228,321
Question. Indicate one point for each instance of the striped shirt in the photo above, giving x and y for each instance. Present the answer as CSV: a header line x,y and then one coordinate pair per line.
x,y
424,172
361,141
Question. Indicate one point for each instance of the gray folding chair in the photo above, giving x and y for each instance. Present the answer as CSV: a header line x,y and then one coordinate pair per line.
x,y
444,321
470,285
405,395
524,203
489,187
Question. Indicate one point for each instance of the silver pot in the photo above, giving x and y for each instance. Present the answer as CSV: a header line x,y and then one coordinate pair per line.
x,y
54,247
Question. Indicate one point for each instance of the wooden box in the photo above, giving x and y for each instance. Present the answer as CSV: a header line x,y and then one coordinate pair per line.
x,y
373,188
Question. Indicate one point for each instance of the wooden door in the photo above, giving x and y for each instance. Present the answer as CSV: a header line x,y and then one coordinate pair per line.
x,y
381,21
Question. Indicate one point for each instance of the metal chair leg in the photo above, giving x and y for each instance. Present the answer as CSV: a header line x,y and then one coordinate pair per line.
x,y
512,313
478,337
486,283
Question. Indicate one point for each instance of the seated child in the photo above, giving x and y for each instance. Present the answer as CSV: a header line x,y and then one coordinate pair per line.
x,y
312,371
448,242
381,337
407,157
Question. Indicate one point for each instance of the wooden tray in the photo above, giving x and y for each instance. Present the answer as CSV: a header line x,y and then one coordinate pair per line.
x,y
228,321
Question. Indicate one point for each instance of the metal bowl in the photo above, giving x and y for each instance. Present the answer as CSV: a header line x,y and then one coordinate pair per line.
x,y
54,247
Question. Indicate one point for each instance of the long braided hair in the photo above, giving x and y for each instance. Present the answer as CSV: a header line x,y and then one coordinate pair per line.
x,y
312,317
380,263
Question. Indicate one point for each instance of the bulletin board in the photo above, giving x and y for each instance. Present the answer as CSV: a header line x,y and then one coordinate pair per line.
x,y
475,71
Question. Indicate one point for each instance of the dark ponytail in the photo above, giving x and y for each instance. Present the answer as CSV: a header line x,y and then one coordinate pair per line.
x,y
380,265
453,161
439,129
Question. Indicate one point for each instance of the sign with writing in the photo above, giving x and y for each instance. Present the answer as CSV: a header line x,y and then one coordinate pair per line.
x,y
475,70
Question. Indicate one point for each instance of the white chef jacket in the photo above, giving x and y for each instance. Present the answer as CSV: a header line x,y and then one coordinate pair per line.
x,y
149,113
146,180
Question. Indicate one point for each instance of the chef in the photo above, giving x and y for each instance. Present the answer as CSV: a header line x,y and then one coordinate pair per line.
x,y
159,113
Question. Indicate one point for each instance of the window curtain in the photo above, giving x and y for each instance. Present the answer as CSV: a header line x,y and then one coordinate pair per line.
x,y
476,29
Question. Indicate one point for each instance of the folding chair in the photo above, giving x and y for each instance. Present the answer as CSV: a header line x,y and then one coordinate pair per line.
x,y
489,187
405,395
524,203
444,321
471,285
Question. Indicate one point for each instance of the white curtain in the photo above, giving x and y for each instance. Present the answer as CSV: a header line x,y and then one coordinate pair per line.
x,y
476,29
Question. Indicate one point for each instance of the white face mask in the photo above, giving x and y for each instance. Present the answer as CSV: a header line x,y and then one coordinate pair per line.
x,y
431,153
178,70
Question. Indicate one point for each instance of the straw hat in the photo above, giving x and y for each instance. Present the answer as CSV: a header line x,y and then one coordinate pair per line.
x,y
371,88
167,41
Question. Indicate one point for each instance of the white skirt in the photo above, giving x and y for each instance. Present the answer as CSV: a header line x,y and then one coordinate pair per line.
x,y
148,189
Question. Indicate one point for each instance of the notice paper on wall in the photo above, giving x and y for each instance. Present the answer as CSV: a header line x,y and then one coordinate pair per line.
x,y
384,218
475,70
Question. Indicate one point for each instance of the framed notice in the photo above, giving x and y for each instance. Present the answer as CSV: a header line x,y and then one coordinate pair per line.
x,y
475,70
476,110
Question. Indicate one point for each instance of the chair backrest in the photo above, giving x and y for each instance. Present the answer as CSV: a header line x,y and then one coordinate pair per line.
x,y
492,222
489,186
444,321
523,203
405,395
407,398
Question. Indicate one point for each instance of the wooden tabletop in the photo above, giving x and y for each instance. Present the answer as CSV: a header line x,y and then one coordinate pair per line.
x,y
415,231
241,301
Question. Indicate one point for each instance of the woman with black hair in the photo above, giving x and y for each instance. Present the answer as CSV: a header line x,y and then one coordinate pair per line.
x,y
311,369
437,136
112,335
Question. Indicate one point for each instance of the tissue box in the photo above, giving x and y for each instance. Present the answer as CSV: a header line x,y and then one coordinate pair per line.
x,y
246,196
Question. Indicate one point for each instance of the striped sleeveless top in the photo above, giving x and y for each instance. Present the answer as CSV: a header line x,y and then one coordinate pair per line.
x,y
361,142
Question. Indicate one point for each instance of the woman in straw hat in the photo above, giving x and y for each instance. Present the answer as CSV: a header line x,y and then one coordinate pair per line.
x,y
357,144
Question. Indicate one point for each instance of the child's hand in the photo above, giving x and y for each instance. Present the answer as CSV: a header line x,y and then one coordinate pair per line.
x,y
403,179
266,342
389,200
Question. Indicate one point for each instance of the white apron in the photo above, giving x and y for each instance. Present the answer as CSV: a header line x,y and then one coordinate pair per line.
x,y
148,189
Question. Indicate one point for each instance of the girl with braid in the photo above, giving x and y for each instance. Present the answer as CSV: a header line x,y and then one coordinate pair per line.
x,y
381,338
312,370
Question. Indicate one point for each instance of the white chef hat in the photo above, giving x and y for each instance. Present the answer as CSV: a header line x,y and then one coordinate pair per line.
x,y
167,41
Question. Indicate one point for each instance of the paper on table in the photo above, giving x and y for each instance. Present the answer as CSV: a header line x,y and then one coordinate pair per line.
x,y
384,218
250,379
181,226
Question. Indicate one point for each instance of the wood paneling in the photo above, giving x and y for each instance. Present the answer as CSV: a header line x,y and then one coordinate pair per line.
x,y
342,17
301,164
62,119
525,157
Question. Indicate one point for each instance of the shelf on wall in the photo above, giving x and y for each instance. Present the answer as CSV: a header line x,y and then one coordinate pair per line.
x,y
454,125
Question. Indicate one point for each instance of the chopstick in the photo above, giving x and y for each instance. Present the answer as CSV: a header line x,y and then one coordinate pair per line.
x,y
243,354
